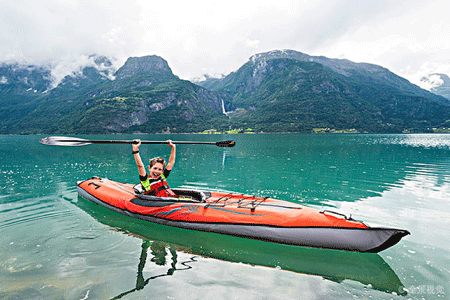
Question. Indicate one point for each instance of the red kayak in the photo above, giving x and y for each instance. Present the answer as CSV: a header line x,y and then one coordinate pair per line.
x,y
242,215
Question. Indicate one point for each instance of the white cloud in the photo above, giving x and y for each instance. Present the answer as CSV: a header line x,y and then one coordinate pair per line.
x,y
412,40
415,75
3,80
432,81
252,43
198,37
73,66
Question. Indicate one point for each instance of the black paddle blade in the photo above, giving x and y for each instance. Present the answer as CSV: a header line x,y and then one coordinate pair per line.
x,y
63,141
226,144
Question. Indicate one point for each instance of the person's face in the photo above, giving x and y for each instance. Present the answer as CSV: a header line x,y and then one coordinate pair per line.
x,y
156,170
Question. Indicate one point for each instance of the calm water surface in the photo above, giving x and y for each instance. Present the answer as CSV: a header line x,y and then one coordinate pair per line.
x,y
55,245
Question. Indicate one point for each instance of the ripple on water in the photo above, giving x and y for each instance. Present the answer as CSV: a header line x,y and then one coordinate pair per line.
x,y
82,241
28,212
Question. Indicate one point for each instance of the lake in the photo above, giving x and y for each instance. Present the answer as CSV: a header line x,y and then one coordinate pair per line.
x,y
57,245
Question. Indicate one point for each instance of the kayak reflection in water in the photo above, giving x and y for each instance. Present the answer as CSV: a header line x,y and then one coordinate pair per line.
x,y
155,183
159,252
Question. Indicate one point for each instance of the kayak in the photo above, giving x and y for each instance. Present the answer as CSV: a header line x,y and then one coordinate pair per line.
x,y
246,216
369,269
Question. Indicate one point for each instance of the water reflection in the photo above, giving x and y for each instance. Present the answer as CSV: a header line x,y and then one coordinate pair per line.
x,y
367,268
397,180
159,253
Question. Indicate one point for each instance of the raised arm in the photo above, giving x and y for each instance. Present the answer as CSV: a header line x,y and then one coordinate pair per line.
x,y
172,155
137,158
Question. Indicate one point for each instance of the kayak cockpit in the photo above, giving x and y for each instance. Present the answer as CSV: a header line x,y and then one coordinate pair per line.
x,y
192,196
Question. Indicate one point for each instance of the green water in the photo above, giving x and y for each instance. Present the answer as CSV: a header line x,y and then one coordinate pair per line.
x,y
55,245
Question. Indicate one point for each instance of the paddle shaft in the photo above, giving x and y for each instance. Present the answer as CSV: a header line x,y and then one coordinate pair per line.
x,y
68,141
142,142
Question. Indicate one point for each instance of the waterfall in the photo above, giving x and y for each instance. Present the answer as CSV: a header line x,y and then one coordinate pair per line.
x,y
223,108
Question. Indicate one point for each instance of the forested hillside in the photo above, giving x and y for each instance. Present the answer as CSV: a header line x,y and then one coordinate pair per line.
x,y
278,91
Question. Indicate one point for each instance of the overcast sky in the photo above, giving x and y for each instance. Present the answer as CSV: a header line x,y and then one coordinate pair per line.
x,y
411,37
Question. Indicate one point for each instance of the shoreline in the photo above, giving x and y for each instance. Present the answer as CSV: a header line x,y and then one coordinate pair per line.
x,y
221,133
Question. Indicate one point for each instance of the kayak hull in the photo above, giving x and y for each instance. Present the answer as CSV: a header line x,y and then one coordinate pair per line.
x,y
256,218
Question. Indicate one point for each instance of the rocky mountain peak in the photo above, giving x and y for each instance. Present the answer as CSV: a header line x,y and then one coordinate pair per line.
x,y
135,66
277,54
341,66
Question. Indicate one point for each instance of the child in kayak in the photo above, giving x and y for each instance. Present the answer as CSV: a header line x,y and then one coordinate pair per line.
x,y
155,183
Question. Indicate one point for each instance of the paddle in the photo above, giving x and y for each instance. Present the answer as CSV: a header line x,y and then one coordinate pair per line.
x,y
71,141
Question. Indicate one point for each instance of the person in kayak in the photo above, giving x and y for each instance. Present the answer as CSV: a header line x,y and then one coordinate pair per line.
x,y
155,183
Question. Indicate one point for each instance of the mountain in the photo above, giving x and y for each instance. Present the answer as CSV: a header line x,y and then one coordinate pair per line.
x,y
19,86
277,91
100,70
143,95
294,92
208,81
438,83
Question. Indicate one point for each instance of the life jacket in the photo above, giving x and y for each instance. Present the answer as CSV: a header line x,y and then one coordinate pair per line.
x,y
160,188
